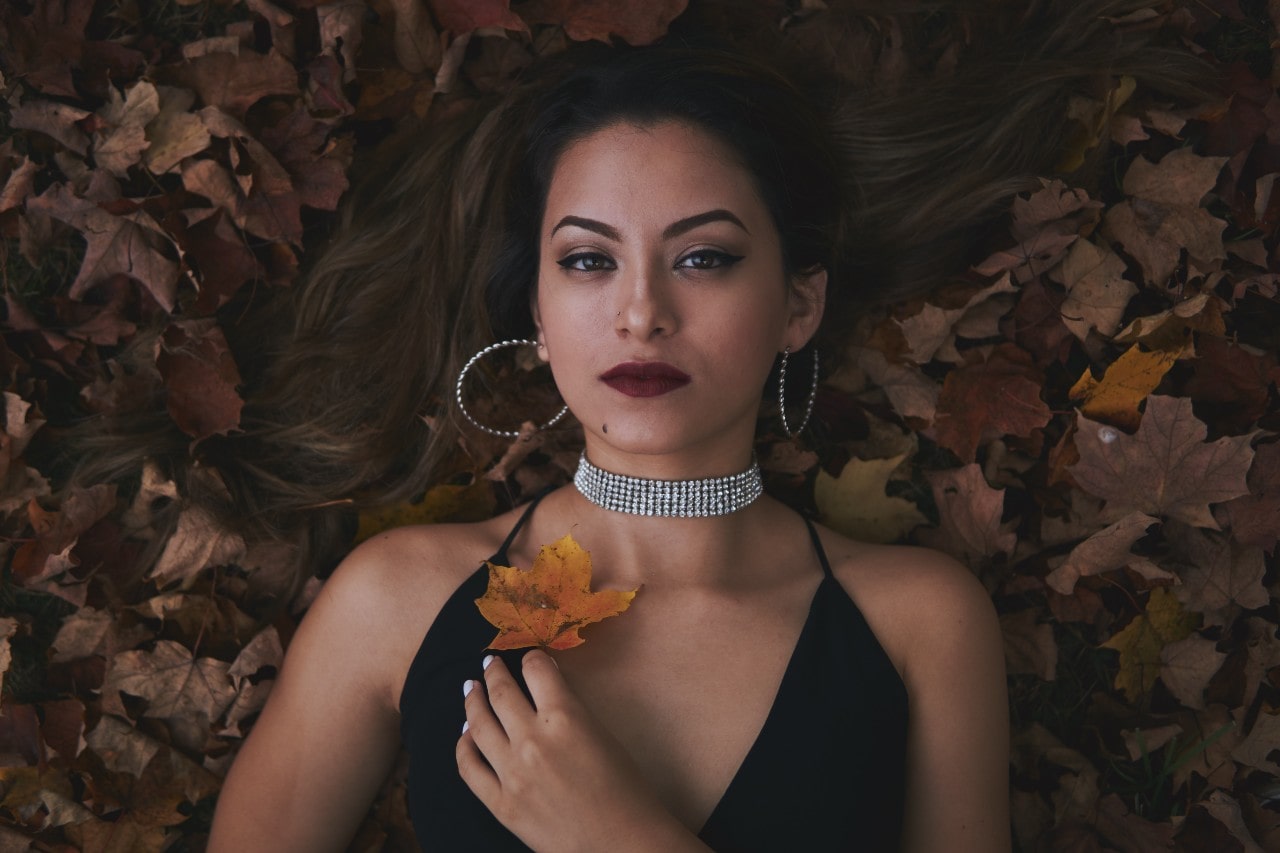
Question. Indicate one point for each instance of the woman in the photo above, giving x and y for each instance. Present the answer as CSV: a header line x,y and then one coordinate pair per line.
x,y
665,224
680,212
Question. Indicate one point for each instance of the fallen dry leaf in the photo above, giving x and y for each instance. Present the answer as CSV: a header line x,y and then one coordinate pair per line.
x,y
1163,217
175,133
1141,642
1187,665
122,138
970,511
200,378
1104,551
132,244
987,399
1097,292
855,503
1124,385
548,604
1166,468
176,684
583,20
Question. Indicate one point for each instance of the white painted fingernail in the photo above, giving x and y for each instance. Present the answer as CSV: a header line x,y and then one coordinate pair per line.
x,y
466,724
488,659
467,687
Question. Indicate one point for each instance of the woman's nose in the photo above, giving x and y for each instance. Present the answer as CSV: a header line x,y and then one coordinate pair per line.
x,y
646,309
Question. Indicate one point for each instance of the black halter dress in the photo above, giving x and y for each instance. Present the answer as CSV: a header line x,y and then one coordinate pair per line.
x,y
826,771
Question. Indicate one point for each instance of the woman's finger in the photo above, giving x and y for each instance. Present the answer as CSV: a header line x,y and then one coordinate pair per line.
x,y
505,697
476,771
483,726
546,685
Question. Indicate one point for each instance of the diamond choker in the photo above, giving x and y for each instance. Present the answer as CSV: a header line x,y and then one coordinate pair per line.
x,y
669,498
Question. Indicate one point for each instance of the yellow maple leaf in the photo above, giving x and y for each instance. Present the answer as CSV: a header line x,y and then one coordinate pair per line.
x,y
445,502
1141,641
855,503
1128,380
548,604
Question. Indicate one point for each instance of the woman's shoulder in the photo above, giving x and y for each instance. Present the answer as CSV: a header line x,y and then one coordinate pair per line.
x,y
391,587
922,605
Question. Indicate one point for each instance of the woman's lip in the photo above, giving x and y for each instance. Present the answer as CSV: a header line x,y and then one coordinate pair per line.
x,y
644,378
645,370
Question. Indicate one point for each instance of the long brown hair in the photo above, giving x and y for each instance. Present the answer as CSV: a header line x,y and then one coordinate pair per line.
x,y
431,258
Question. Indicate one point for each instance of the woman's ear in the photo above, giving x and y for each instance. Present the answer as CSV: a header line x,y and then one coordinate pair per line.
x,y
808,299
537,327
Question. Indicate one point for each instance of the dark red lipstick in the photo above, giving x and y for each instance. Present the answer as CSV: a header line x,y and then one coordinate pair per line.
x,y
644,378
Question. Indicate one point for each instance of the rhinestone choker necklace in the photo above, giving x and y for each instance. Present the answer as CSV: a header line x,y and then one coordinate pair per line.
x,y
668,498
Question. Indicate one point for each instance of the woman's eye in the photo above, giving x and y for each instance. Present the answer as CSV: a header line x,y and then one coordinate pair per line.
x,y
586,262
708,259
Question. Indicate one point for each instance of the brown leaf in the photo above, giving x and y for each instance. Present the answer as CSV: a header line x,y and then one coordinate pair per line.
x,y
1171,329
1029,646
198,543
95,632
930,333
1163,216
909,391
1226,811
122,137
1054,201
988,399
548,604
176,684
200,378
8,626
63,727
1259,744
19,185
1097,292
262,651
341,29
128,244
1254,519
1263,655
1166,468
52,119
583,20
1233,381
970,510
1216,572
1104,551
417,44
463,16
236,82
175,133
1187,665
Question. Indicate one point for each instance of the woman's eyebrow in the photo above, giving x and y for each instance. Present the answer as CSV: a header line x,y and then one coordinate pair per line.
x,y
590,225
673,230
690,222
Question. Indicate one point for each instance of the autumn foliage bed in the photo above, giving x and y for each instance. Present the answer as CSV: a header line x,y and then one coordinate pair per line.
x,y
1088,417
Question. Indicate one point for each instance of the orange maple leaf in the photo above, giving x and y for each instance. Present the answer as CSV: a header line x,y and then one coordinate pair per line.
x,y
547,605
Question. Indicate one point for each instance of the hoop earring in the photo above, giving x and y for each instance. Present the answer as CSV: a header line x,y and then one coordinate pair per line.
x,y
782,394
501,433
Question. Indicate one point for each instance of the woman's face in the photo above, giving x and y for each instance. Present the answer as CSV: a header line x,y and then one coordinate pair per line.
x,y
662,299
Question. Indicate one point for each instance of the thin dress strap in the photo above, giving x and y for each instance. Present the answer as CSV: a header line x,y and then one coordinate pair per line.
x,y
501,555
817,546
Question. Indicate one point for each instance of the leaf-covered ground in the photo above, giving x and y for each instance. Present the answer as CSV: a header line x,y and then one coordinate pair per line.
x,y
1088,418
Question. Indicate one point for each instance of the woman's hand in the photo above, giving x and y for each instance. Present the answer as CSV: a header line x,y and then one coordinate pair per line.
x,y
550,773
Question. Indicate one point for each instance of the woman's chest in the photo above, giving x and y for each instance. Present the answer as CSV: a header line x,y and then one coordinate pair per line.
x,y
688,695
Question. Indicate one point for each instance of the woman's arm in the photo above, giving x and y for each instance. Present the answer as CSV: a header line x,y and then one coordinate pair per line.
x,y
324,743
958,735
